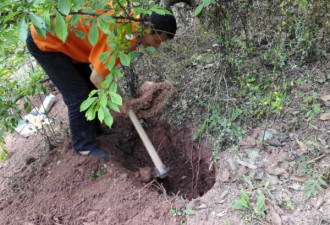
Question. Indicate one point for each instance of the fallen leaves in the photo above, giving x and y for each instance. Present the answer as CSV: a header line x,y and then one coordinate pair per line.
x,y
325,98
298,178
325,116
303,146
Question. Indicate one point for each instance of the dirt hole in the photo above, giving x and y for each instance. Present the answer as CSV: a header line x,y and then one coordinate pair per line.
x,y
189,174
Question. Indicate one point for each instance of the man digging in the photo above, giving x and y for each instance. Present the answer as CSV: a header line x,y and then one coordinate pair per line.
x,y
68,66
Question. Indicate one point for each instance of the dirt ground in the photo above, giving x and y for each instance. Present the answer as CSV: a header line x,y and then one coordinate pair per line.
x,y
40,186
57,186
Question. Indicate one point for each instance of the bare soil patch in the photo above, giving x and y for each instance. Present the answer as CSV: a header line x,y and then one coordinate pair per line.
x,y
60,187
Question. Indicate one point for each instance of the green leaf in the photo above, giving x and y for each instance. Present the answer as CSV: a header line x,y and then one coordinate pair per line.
x,y
22,30
108,80
116,98
37,21
103,100
61,27
112,61
3,154
104,56
245,196
93,34
151,49
47,17
93,92
11,15
100,114
108,19
91,113
124,59
189,212
79,34
158,10
198,9
238,206
108,119
64,6
113,87
113,106
103,26
87,103
260,202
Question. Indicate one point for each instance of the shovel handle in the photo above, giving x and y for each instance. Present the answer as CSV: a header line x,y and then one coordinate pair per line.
x,y
160,167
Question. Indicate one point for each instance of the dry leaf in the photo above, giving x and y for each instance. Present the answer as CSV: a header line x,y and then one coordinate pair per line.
x,y
302,145
325,116
299,178
325,98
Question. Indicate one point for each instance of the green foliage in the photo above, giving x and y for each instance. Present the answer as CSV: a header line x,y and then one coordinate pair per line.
x,y
311,106
255,203
181,212
226,129
285,205
98,173
203,4
314,185
16,18
242,203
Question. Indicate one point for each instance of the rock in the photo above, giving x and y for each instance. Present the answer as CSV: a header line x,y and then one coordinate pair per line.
x,y
275,171
296,187
232,164
145,174
202,206
248,142
225,175
276,219
124,176
269,134
273,179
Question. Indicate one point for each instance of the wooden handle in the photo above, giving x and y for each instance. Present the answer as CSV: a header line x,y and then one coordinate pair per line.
x,y
161,168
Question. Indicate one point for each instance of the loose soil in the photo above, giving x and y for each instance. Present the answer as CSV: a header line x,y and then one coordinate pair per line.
x,y
64,188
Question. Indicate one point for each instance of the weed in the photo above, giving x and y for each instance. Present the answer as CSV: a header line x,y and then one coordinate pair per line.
x,y
181,211
242,203
224,129
258,207
98,173
285,205
313,186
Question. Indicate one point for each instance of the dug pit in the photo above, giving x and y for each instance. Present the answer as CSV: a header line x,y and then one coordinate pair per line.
x,y
189,174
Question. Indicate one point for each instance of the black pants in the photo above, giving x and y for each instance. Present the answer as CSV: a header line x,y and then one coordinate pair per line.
x,y
73,81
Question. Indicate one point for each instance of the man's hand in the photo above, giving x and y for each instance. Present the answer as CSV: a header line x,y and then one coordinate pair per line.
x,y
97,79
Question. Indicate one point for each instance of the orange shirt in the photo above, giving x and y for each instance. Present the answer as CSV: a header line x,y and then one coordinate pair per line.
x,y
78,49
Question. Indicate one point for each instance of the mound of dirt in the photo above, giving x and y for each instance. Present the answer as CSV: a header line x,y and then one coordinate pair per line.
x,y
152,99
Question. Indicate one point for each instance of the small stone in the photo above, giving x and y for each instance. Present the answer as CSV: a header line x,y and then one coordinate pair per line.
x,y
145,174
273,179
202,206
275,171
225,175
124,176
296,187
58,162
184,105
232,164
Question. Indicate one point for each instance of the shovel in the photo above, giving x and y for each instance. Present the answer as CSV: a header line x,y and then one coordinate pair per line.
x,y
160,167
